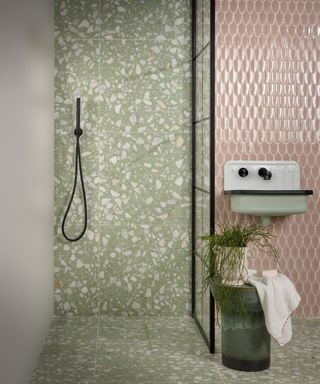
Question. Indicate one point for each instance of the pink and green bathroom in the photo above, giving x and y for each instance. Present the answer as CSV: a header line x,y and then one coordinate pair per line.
x,y
160,176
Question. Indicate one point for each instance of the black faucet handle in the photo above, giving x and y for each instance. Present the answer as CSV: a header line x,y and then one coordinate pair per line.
x,y
264,173
243,172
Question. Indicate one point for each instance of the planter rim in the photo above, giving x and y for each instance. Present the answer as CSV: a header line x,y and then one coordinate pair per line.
x,y
244,286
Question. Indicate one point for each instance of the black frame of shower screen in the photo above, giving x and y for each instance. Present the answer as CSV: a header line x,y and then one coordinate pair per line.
x,y
210,339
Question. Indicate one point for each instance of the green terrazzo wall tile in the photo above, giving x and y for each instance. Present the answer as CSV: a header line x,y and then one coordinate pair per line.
x,y
143,265
130,61
77,19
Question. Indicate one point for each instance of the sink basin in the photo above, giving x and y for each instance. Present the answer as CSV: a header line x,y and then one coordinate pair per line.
x,y
267,203
265,188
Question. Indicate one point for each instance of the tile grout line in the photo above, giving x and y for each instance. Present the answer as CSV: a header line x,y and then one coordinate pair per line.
x,y
96,351
99,171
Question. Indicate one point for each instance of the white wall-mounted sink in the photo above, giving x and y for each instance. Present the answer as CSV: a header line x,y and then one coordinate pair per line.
x,y
269,203
265,188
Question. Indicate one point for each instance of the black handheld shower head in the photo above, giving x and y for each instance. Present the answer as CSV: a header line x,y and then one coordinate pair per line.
x,y
78,167
78,131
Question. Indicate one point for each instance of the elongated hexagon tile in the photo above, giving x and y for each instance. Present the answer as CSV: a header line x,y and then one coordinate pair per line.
x,y
267,102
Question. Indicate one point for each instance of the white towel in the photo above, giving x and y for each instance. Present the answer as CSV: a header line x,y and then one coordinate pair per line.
x,y
279,299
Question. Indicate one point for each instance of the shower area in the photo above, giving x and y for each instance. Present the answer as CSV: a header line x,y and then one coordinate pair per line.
x,y
126,290
122,293
130,63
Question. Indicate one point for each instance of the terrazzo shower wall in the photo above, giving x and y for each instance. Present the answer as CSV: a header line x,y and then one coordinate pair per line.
x,y
268,108
130,61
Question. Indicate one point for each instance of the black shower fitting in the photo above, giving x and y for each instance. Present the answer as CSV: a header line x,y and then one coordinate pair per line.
x,y
264,173
78,166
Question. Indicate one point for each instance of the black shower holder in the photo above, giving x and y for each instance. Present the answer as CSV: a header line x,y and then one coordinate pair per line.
x,y
78,131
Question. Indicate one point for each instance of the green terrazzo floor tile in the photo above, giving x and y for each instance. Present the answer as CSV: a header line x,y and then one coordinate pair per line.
x,y
154,350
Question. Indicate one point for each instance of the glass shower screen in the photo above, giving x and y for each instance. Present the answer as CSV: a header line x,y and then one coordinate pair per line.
x,y
203,159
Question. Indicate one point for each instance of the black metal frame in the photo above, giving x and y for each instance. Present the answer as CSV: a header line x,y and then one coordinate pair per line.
x,y
212,156
211,340
193,161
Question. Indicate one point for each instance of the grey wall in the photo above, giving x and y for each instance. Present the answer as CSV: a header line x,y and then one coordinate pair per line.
x,y
26,174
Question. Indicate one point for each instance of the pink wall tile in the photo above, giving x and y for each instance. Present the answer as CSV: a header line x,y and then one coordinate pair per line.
x,y
267,108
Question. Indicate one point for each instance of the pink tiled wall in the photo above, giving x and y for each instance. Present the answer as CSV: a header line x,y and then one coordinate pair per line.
x,y
268,108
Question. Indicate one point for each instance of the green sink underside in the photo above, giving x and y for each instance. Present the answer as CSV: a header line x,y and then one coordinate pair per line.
x,y
269,205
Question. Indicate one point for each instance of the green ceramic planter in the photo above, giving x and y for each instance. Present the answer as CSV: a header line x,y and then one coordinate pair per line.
x,y
245,341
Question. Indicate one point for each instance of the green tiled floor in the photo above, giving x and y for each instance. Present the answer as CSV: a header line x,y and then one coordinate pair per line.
x,y
91,350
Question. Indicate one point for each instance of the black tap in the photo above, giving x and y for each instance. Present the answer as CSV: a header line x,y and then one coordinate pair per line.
x,y
265,174
243,172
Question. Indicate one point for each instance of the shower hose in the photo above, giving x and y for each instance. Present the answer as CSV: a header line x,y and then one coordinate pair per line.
x,y
78,168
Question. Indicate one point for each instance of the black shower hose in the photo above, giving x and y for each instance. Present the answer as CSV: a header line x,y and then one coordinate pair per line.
x,y
78,166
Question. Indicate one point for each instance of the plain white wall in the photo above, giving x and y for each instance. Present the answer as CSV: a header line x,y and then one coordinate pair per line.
x,y
26,183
